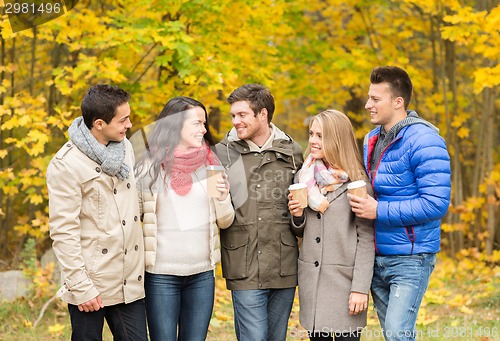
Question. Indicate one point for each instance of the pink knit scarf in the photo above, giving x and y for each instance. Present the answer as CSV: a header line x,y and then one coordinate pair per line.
x,y
185,163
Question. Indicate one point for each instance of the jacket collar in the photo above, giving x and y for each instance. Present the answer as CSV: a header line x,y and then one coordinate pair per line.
x,y
282,143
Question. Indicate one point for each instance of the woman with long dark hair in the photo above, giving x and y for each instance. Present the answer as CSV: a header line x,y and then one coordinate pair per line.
x,y
181,221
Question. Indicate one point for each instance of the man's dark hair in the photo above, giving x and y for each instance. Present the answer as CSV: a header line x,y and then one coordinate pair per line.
x,y
398,79
257,96
101,101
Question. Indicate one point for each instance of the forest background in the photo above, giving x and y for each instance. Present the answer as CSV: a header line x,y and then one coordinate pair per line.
x,y
313,55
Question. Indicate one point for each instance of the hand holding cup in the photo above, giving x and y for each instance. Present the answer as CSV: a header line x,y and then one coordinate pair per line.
x,y
362,204
217,184
297,199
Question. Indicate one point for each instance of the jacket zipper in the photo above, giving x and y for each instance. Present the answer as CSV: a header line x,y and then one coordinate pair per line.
x,y
373,186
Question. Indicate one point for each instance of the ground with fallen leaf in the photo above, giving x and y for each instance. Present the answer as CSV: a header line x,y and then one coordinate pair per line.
x,y
462,303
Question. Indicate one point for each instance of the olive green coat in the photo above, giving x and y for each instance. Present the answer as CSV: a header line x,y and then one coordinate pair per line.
x,y
259,250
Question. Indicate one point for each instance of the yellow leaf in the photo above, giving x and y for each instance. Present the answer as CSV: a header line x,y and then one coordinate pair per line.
x,y
463,132
56,329
222,317
466,310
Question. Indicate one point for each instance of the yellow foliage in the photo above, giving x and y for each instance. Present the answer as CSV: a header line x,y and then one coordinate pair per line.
x,y
495,257
10,190
424,318
56,329
459,300
27,323
458,285
486,77
222,317
466,310
463,132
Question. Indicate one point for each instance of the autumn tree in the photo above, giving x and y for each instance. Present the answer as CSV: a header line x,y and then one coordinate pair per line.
x,y
313,55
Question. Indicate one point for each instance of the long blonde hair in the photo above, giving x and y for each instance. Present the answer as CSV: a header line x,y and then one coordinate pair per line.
x,y
339,143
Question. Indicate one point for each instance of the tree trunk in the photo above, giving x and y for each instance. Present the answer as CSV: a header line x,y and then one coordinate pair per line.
x,y
56,54
33,61
489,151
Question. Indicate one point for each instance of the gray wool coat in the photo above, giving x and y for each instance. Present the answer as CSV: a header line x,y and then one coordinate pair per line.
x,y
335,259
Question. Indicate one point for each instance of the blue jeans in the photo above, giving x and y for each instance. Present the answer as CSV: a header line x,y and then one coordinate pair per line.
x,y
127,322
398,285
262,315
179,307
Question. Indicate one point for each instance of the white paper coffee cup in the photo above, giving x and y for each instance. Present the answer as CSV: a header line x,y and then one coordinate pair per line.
x,y
358,188
299,192
214,173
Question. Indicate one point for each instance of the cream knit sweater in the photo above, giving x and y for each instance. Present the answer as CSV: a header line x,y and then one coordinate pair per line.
x,y
217,214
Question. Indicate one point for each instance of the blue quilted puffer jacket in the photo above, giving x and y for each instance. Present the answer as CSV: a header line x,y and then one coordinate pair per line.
x,y
412,185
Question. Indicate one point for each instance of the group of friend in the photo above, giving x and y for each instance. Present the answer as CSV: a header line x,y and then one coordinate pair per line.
x,y
138,239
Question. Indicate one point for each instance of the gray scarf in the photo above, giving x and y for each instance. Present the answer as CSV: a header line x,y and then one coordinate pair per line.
x,y
110,157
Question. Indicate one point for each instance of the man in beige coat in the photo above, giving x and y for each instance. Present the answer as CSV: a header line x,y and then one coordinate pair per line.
x,y
94,220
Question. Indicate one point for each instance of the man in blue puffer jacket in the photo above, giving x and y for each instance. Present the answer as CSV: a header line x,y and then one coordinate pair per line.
x,y
409,168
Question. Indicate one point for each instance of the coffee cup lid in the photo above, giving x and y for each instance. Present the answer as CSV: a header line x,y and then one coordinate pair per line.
x,y
215,167
356,184
297,186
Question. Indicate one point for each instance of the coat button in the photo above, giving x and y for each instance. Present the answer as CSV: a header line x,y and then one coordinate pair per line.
x,y
316,263
125,282
104,251
136,247
318,215
123,222
135,218
125,251
98,170
114,191
318,239
139,278
128,185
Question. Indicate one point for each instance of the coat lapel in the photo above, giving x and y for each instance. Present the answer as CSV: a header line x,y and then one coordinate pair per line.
x,y
331,196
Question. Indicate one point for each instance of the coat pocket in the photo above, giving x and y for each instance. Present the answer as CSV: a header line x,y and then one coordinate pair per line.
x,y
234,254
289,253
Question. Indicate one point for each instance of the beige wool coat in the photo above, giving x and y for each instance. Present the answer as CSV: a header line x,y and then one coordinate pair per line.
x,y
95,228
335,259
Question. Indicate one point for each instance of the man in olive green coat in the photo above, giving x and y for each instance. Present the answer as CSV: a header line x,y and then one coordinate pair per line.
x,y
259,251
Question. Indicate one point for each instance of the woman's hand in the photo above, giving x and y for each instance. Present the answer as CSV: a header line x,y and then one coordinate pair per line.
x,y
294,206
357,303
223,187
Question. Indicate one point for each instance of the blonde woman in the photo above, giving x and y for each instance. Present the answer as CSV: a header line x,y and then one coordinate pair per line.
x,y
337,253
